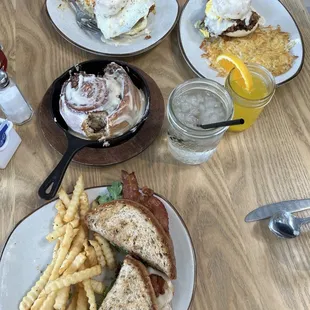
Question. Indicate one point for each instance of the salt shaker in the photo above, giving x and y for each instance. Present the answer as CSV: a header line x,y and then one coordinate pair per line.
x,y
12,102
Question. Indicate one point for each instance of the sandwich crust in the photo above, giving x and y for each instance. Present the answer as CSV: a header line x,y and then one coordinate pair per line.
x,y
131,226
132,290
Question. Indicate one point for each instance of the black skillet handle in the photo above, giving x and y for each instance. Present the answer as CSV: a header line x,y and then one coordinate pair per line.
x,y
49,188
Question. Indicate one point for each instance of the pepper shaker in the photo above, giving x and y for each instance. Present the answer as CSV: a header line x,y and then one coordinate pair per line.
x,y
12,102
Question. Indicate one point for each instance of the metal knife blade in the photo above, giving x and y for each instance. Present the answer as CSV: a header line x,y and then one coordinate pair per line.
x,y
267,211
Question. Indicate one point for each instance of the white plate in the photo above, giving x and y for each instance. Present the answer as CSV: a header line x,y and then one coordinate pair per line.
x,y
26,252
274,13
160,25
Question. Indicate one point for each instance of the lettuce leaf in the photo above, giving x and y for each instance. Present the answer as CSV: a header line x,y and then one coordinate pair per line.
x,y
114,193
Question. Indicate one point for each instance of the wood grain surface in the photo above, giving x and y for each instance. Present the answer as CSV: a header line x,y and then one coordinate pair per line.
x,y
240,266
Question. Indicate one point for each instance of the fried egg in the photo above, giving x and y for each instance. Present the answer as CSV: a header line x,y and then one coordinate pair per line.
x,y
232,9
117,17
215,24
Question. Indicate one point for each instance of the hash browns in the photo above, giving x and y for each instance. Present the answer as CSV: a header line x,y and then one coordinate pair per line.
x,y
267,46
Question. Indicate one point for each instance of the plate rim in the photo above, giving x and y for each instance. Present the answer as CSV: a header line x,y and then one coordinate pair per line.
x,y
278,84
101,186
109,54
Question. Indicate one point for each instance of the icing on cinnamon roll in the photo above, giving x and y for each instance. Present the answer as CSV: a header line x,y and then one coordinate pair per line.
x,y
101,107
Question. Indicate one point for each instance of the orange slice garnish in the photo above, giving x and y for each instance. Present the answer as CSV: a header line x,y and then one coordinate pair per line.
x,y
241,74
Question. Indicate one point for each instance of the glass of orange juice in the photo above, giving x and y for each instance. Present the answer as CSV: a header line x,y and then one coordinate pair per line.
x,y
249,104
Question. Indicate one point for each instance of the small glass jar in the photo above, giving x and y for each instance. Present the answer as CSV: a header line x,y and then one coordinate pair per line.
x,y
187,142
250,108
12,102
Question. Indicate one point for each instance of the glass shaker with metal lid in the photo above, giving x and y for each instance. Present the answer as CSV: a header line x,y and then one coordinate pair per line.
x,y
12,102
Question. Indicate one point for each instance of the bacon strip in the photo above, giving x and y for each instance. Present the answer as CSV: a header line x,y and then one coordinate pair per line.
x,y
158,284
146,198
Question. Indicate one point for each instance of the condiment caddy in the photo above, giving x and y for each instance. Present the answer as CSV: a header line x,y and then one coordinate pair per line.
x,y
9,142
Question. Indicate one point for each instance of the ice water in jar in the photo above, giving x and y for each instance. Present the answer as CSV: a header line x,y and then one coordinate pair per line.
x,y
197,101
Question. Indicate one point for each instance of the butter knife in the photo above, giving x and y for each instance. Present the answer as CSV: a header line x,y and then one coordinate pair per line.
x,y
269,210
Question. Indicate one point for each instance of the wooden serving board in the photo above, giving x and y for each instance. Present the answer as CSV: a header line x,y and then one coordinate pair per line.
x,y
107,156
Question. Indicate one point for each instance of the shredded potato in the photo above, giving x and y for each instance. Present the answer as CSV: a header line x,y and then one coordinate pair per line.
x,y
267,46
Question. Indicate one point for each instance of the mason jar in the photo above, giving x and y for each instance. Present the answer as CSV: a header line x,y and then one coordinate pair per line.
x,y
197,101
249,105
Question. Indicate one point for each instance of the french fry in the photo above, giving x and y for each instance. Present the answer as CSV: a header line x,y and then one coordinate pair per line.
x,y
94,204
90,295
76,264
82,303
57,221
49,302
73,302
60,207
56,248
62,297
84,204
90,254
61,230
98,287
63,196
72,279
33,294
43,299
39,301
63,294
74,202
106,250
99,254
63,251
76,248
38,289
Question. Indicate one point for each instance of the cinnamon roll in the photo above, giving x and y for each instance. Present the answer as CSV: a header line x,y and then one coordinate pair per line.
x,y
101,107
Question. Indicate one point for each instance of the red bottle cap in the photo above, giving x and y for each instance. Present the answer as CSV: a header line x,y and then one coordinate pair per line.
x,y
3,60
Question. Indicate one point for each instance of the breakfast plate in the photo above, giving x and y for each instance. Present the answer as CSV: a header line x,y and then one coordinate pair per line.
x,y
160,24
26,252
190,38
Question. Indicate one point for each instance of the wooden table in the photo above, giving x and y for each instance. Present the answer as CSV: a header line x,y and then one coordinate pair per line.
x,y
240,266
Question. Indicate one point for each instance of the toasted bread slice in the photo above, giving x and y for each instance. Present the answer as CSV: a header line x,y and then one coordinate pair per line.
x,y
131,226
132,290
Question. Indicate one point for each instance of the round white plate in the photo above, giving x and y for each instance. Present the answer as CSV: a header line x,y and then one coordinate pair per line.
x,y
26,252
274,13
62,16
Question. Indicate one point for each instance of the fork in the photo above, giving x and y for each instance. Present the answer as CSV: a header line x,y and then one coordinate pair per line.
x,y
84,20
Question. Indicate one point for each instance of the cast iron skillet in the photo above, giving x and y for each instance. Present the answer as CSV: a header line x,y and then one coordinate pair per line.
x,y
51,185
